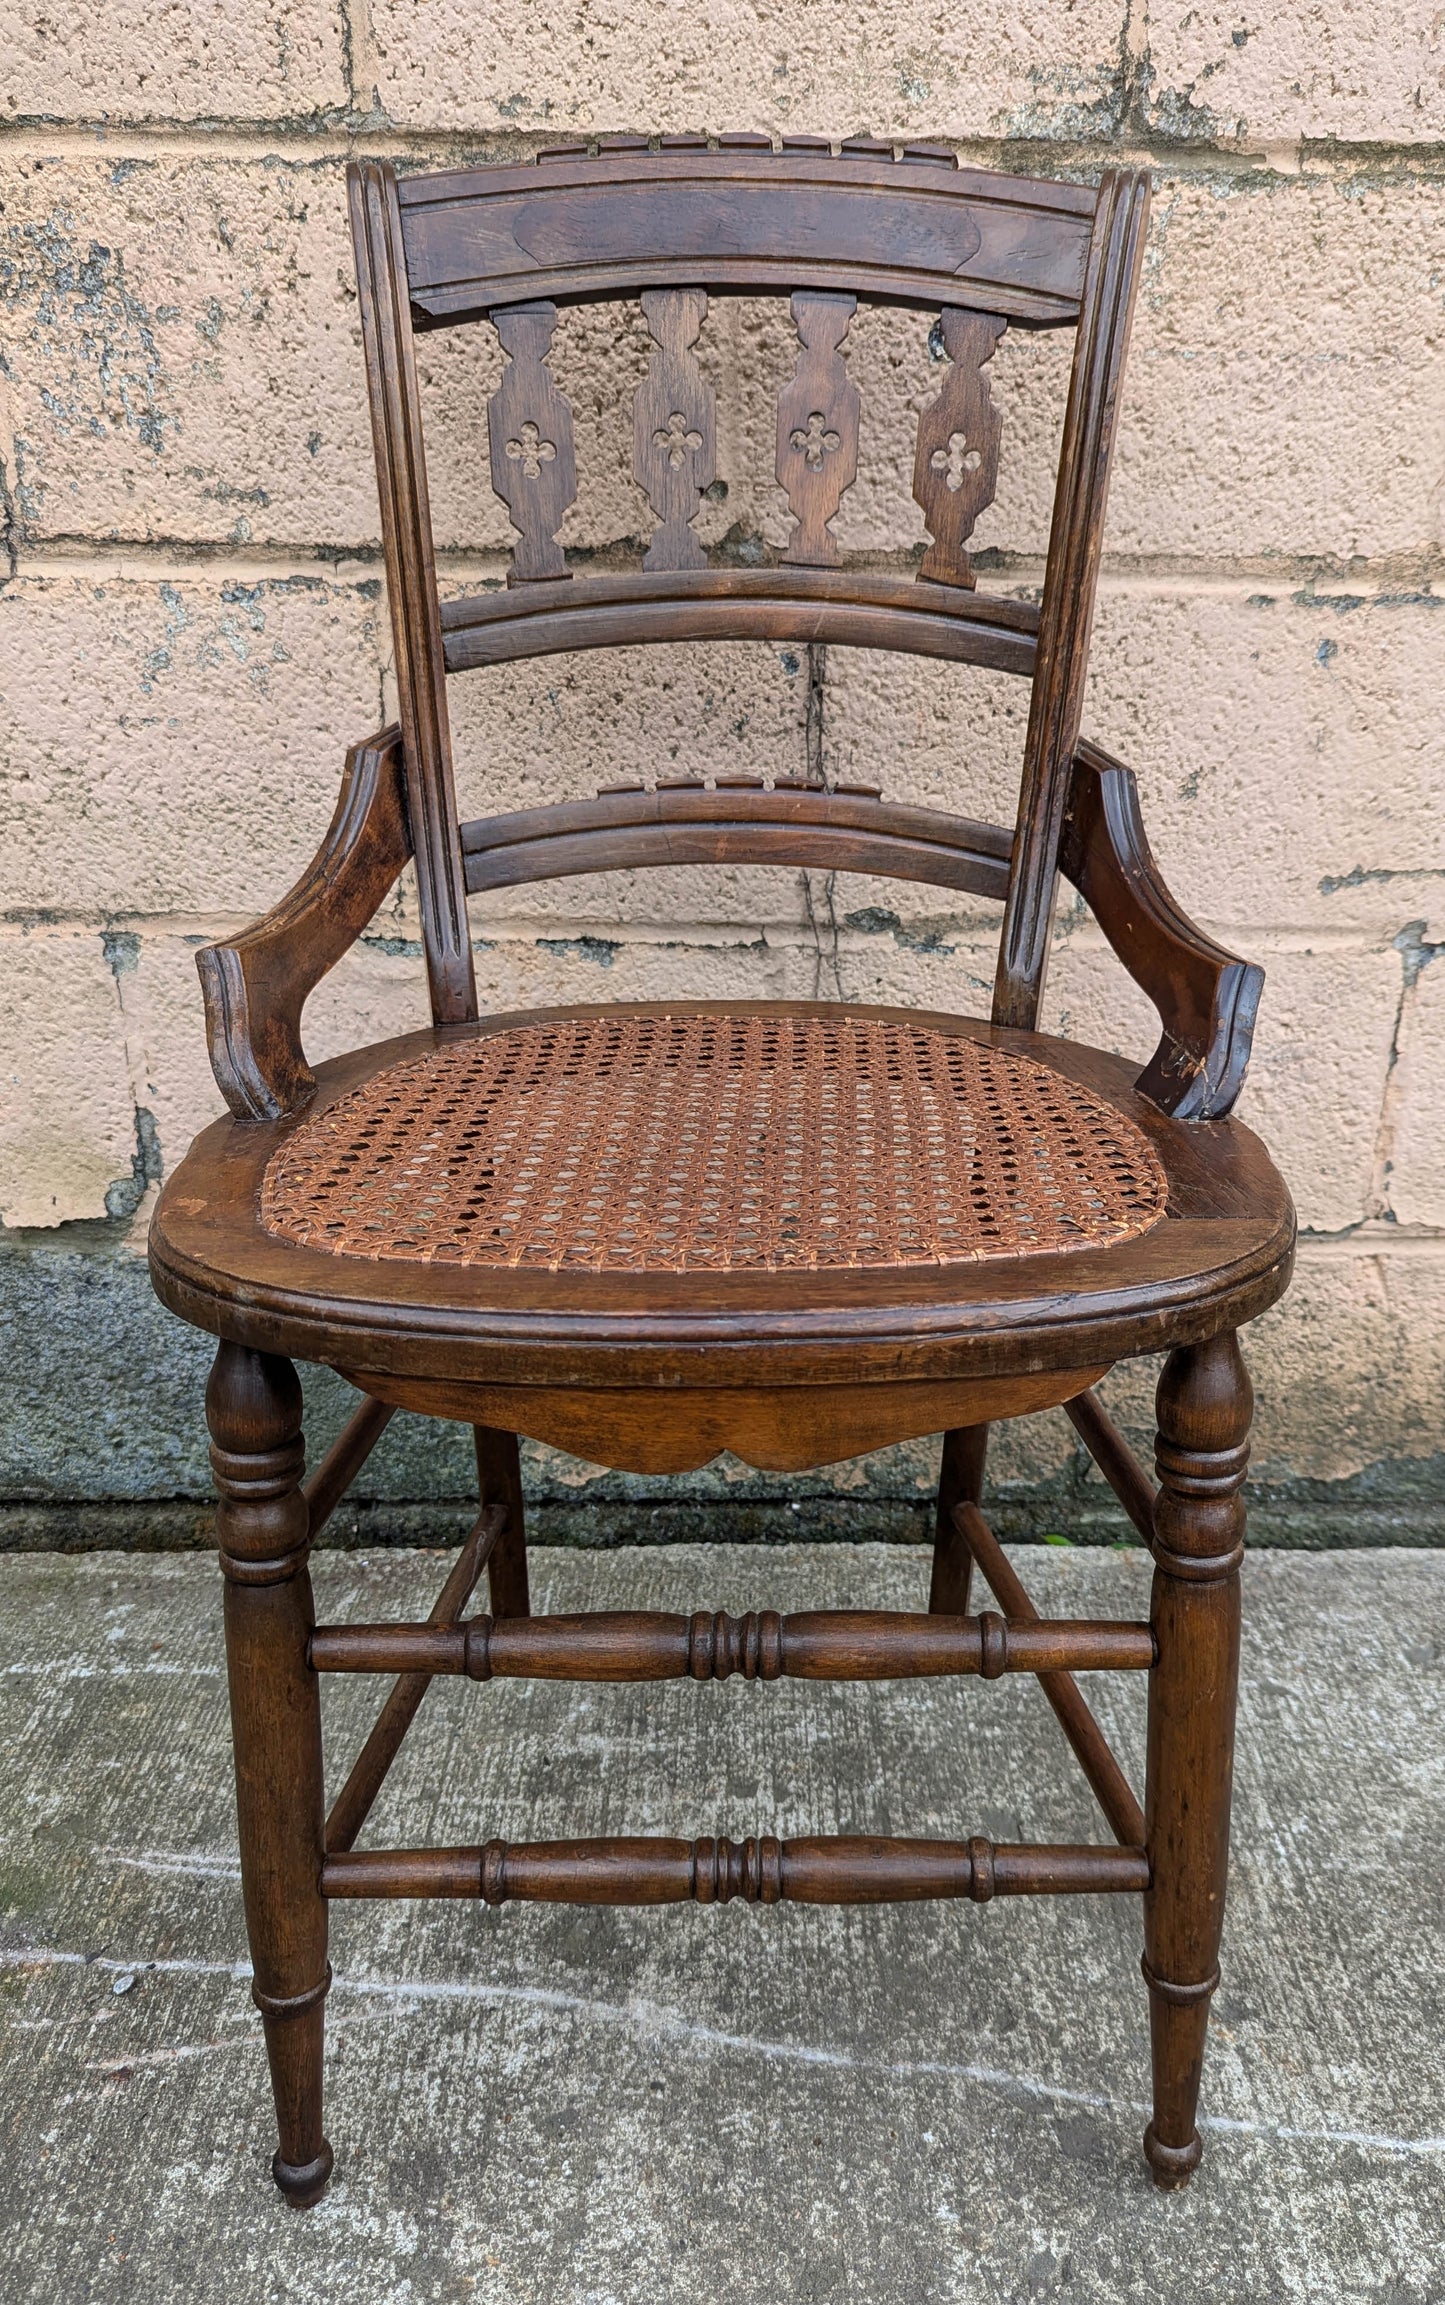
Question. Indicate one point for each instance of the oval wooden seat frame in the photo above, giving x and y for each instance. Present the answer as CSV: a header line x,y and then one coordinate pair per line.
x,y
657,1370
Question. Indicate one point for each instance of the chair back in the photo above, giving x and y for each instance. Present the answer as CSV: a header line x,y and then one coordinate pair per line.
x,y
675,222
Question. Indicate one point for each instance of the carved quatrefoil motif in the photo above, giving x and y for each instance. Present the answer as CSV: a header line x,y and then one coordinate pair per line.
x,y
955,460
816,441
531,452
677,441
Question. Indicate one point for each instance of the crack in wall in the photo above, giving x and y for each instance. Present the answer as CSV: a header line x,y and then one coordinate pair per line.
x,y
1417,953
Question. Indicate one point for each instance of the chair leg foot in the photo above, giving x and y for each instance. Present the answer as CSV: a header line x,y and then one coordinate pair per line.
x,y
1171,2166
1204,1407
304,2186
253,1407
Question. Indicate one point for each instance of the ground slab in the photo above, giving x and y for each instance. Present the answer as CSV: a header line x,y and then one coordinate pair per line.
x,y
917,2105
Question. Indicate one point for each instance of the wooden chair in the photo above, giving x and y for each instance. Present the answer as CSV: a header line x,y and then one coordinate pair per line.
x,y
795,1231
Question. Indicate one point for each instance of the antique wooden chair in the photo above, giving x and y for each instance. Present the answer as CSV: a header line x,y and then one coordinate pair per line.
x,y
795,1231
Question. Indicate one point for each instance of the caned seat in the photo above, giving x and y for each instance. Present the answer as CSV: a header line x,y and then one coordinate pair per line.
x,y
796,1231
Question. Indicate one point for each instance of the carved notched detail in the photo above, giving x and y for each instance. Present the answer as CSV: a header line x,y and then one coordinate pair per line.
x,y
529,427
955,471
818,428
674,426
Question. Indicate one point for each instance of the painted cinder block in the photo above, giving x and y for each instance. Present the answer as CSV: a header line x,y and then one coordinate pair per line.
x,y
68,1137
557,728
174,60
184,350
1349,1369
1300,68
1285,745
187,366
177,745
1414,1177
817,66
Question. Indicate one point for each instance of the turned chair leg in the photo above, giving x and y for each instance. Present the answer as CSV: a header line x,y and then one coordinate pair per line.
x,y
253,1408
1204,1405
960,1482
499,1481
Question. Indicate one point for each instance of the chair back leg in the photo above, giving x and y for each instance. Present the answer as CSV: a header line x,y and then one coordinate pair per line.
x,y
960,1482
1204,1408
253,1408
499,1482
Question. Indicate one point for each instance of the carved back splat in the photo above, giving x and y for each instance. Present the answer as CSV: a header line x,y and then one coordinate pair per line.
x,y
955,471
674,427
529,426
818,427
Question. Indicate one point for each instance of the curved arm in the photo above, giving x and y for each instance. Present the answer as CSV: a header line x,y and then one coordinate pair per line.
x,y
1207,998
257,985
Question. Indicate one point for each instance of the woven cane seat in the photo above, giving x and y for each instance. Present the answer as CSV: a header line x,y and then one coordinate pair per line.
x,y
662,1142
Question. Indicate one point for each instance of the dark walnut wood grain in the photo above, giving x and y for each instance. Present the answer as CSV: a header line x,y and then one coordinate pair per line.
x,y
674,427
955,469
529,432
1207,999
818,413
256,986
915,231
648,1365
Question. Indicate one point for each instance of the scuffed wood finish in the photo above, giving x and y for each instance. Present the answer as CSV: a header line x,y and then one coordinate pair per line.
x,y
847,1870
814,1645
1221,1255
529,432
955,470
838,831
854,607
960,1482
674,427
1205,1404
678,1429
499,1485
1207,999
746,220
1070,580
790,1368
256,985
818,413
406,531
253,1408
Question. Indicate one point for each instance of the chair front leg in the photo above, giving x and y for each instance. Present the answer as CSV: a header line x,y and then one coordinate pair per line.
x,y
499,1482
253,1408
960,1482
1204,1406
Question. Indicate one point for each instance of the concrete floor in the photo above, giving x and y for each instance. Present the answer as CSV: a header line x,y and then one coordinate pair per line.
x,y
909,2105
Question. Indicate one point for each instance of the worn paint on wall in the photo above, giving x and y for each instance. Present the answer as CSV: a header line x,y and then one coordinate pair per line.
x,y
194,623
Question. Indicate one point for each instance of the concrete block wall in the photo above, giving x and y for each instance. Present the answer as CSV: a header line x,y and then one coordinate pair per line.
x,y
195,625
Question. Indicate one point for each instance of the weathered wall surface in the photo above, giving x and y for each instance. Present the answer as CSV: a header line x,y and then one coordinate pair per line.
x,y
194,626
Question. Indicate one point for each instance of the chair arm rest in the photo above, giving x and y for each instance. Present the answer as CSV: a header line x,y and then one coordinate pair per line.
x,y
257,985
1207,999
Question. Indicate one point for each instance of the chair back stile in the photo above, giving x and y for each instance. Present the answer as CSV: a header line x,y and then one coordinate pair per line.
x,y
412,588
673,225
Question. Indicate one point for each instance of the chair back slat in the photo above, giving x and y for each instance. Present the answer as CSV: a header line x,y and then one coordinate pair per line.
x,y
674,427
955,466
818,415
529,434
